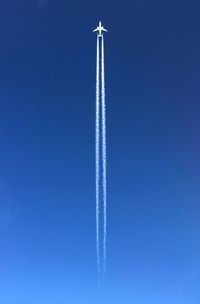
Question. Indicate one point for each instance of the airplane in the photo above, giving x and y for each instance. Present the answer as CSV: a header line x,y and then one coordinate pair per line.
x,y
100,28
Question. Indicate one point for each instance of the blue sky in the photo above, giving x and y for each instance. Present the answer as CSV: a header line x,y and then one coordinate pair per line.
x,y
47,159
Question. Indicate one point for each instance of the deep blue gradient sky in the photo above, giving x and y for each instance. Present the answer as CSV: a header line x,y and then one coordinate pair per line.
x,y
47,173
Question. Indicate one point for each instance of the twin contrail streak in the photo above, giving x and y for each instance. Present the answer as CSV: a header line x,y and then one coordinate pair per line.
x,y
97,139
100,147
104,155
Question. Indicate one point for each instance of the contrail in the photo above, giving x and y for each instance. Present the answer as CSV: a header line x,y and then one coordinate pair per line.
x,y
184,279
97,133
101,161
104,160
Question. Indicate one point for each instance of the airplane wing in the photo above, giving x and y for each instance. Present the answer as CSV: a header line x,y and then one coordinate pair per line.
x,y
103,29
96,30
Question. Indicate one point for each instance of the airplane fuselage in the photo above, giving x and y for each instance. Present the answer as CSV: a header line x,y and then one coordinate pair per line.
x,y
100,29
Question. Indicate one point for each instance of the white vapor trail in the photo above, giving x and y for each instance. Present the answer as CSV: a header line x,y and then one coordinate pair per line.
x,y
97,135
184,279
104,160
100,150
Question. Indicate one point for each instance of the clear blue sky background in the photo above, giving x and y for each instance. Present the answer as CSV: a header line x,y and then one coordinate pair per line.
x,y
47,186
